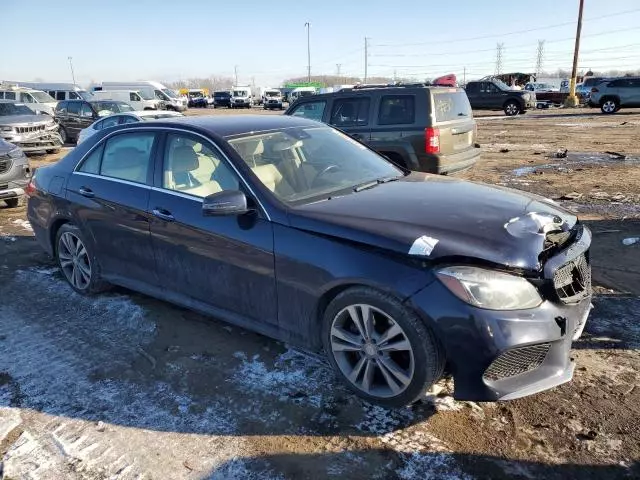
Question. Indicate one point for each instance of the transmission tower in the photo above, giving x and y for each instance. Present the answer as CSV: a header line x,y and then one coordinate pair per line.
x,y
539,58
499,49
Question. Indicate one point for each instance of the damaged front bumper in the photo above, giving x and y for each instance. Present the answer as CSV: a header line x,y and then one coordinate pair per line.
x,y
504,355
35,141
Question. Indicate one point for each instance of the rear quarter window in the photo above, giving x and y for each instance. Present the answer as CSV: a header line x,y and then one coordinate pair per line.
x,y
448,106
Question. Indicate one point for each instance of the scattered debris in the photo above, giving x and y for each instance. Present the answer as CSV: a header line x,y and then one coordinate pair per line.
x,y
152,360
504,150
561,153
630,240
617,156
599,195
571,196
619,197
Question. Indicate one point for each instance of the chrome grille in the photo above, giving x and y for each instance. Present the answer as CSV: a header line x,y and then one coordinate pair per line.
x,y
35,128
517,361
5,165
572,280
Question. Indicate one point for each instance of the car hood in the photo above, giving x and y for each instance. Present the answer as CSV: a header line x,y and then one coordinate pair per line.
x,y
439,218
24,119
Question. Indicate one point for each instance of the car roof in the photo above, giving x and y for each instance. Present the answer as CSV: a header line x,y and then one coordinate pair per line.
x,y
231,125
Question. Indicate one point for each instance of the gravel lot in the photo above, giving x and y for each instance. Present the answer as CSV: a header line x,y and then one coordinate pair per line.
x,y
124,386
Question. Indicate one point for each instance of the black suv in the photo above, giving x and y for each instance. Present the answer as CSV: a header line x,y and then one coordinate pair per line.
x,y
419,127
76,115
493,94
221,99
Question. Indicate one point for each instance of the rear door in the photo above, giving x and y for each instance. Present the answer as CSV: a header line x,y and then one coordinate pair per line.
x,y
73,123
453,118
109,195
87,116
353,116
396,127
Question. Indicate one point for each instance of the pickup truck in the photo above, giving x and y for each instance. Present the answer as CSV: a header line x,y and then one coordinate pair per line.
x,y
493,94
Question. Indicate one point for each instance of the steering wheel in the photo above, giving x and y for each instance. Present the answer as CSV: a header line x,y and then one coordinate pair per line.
x,y
328,169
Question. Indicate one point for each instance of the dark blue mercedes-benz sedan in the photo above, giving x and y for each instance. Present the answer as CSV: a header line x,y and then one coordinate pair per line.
x,y
293,229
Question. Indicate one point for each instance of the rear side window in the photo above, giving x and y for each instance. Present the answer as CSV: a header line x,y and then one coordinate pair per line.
x,y
73,96
73,108
310,110
61,107
111,121
128,156
10,95
397,110
350,112
449,106
91,163
60,96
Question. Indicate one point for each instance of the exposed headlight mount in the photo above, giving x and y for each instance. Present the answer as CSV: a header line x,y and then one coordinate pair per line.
x,y
489,289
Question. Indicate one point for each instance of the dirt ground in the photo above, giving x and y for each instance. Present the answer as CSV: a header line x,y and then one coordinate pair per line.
x,y
126,386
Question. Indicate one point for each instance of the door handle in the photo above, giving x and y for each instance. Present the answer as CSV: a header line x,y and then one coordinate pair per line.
x,y
86,192
163,214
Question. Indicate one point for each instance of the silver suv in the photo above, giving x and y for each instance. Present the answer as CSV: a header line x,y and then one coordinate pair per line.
x,y
612,95
14,173
30,132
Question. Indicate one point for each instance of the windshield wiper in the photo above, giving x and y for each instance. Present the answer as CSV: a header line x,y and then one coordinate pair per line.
x,y
373,183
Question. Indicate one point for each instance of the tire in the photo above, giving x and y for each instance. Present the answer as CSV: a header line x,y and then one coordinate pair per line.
x,y
418,359
52,151
512,108
14,202
609,106
71,259
63,135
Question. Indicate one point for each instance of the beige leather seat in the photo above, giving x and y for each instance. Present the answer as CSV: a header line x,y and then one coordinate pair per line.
x,y
184,160
271,177
250,151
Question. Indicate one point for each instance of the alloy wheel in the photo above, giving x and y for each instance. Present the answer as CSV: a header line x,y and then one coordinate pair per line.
x,y
512,109
372,351
609,106
74,260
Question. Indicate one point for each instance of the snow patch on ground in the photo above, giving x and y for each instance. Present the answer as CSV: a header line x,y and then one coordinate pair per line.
x,y
240,468
25,225
431,466
614,318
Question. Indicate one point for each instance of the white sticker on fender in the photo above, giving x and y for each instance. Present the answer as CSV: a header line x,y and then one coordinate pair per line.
x,y
423,245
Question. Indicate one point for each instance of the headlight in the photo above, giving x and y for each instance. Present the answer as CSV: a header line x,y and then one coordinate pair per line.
x,y
16,153
489,289
6,129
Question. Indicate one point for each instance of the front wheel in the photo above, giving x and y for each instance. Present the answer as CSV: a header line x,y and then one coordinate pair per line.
x,y
76,261
63,135
14,202
609,105
380,348
511,108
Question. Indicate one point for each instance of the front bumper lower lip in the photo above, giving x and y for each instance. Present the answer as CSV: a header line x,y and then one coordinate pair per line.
x,y
11,193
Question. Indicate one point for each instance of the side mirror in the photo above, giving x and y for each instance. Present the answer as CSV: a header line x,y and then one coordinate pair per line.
x,y
227,202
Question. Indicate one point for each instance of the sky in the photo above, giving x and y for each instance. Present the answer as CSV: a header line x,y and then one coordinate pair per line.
x,y
120,40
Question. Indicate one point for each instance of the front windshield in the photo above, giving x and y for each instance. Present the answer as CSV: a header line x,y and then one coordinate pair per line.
x,y
305,93
7,109
501,85
272,94
239,93
42,97
85,95
170,93
302,165
221,94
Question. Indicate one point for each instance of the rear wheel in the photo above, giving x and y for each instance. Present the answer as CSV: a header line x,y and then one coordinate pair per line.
x,y
609,105
511,108
63,135
53,150
76,261
380,348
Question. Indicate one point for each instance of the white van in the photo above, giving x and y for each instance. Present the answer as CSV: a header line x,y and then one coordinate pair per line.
x,y
241,97
139,100
301,92
35,100
170,99
272,98
59,91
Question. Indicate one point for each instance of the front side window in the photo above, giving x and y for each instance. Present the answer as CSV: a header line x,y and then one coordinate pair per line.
x,y
128,156
305,164
74,96
111,121
26,98
61,108
86,111
129,119
195,168
310,110
397,110
350,112
74,108
133,96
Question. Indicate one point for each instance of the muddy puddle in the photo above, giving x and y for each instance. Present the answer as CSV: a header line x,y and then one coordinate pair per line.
x,y
579,159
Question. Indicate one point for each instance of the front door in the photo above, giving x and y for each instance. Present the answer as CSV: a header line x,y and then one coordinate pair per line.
x,y
352,115
225,262
109,193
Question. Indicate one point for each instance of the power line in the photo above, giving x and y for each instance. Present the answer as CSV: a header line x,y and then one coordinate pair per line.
x,y
518,32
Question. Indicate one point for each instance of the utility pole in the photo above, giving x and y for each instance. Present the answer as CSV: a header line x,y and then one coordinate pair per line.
x,y
73,76
499,48
338,66
572,100
539,58
395,77
464,75
308,27
366,57
235,73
